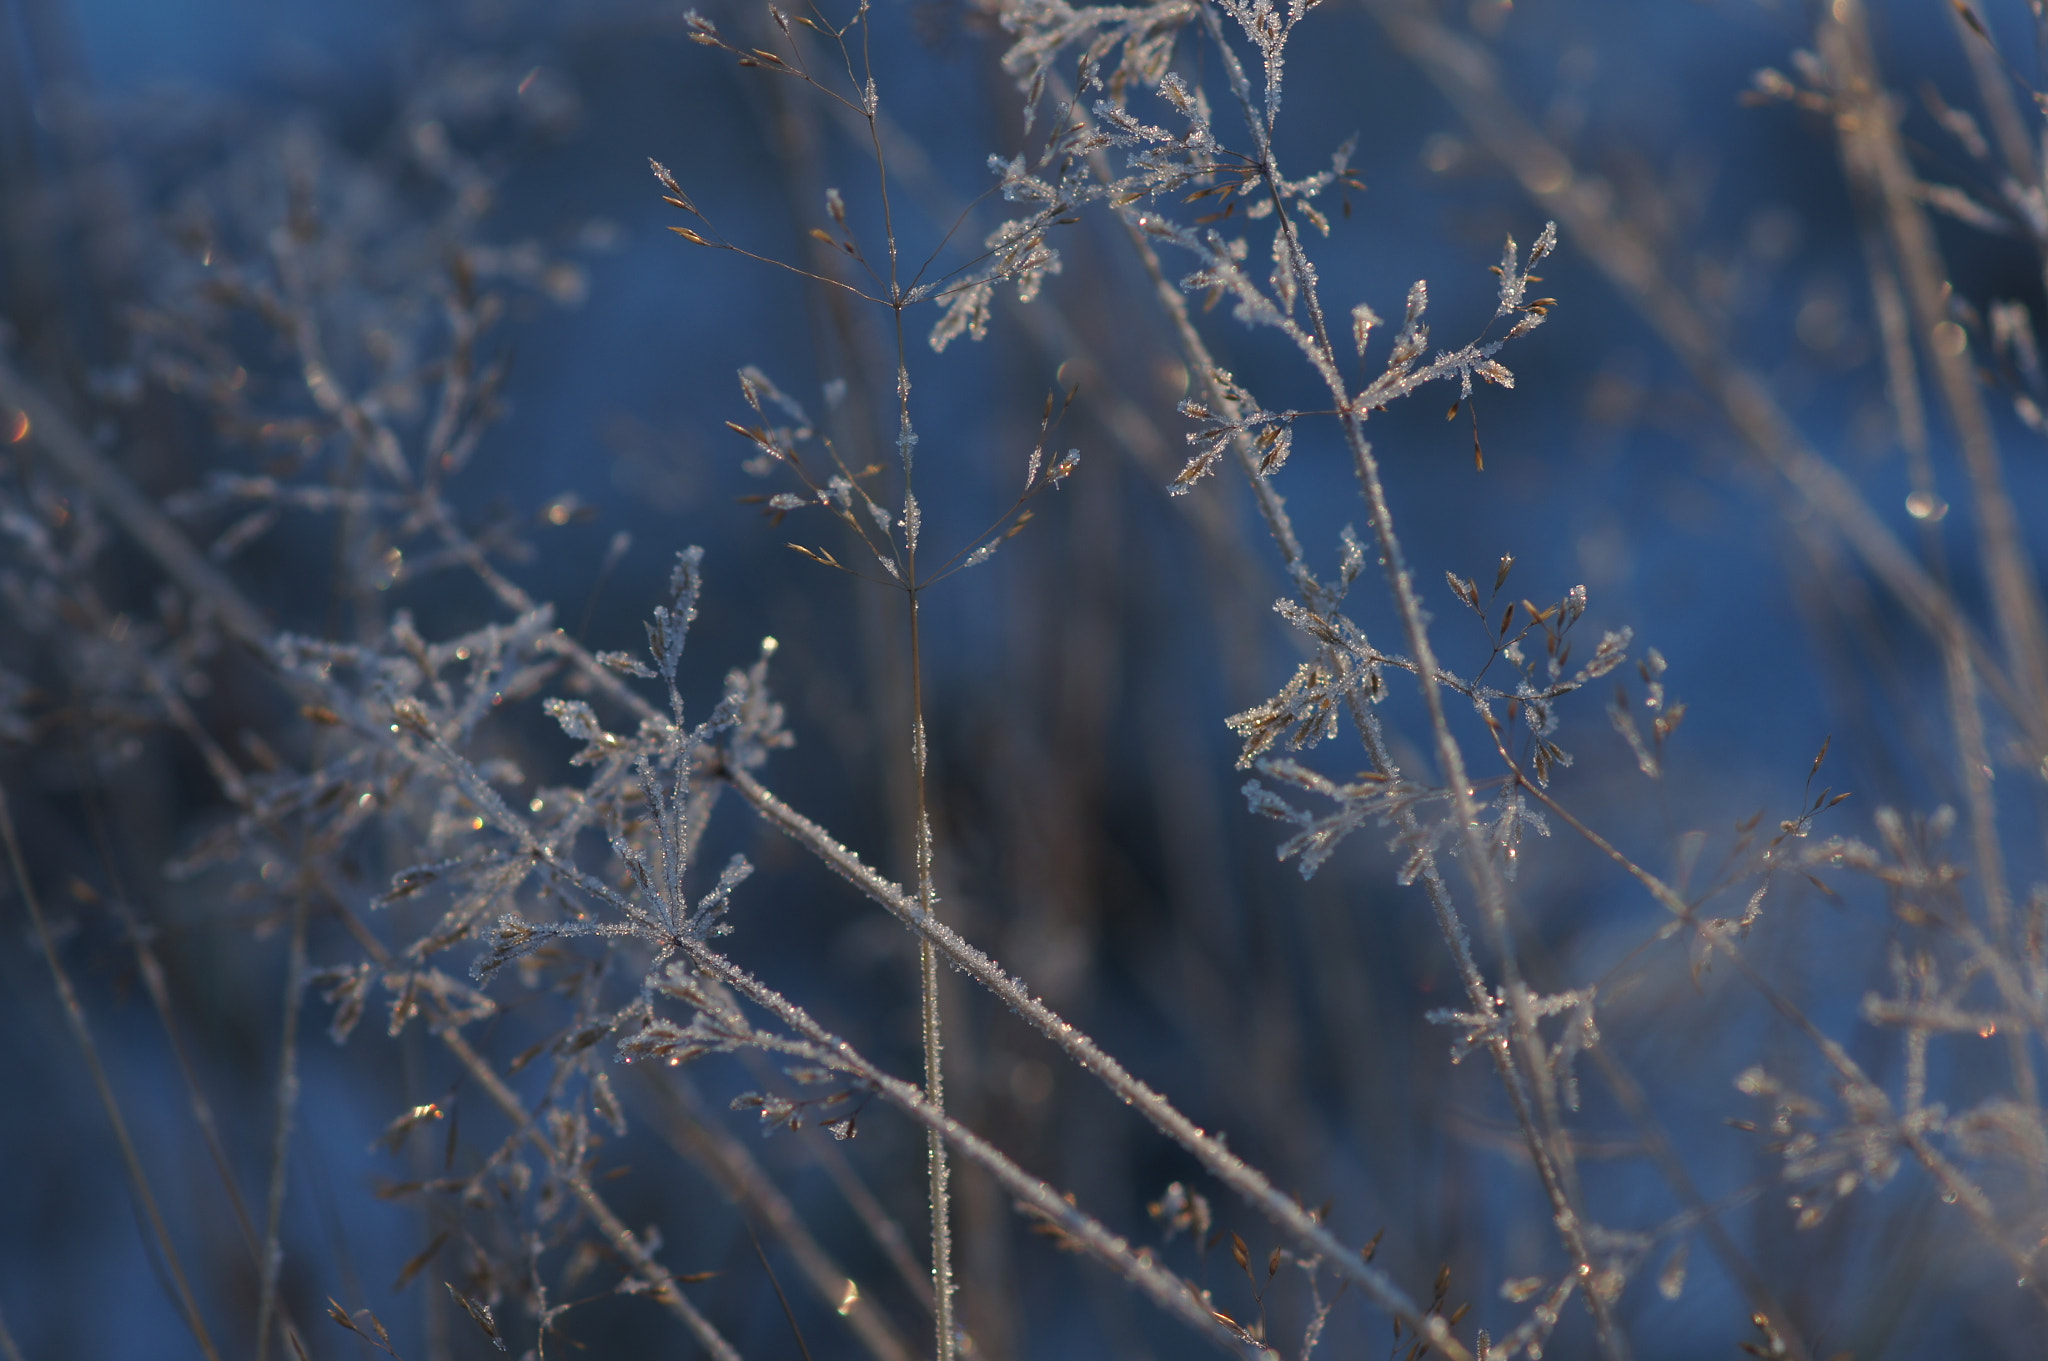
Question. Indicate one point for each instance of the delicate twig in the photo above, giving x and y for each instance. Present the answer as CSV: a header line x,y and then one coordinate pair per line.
x,y
693,1131
1226,1166
1170,1292
1542,1125
286,1108
81,1031
49,431
1470,79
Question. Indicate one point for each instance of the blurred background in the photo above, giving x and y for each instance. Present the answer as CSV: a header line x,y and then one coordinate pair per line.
x,y
1090,827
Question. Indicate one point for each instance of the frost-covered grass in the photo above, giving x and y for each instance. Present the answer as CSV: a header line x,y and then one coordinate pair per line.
x,y
605,912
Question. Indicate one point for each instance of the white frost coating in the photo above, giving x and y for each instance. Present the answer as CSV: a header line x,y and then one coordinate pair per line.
x,y
1208,1148
1169,1291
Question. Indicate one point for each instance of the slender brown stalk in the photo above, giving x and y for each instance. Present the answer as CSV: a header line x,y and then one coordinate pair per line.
x,y
691,1127
54,434
81,1032
1170,1292
1541,1118
1283,1210
286,1103
1470,78
1873,152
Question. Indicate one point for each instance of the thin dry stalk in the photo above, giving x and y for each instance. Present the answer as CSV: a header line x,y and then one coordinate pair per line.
x,y
81,1031
1170,1292
622,1240
1227,1167
1542,1125
53,434
287,1101
1867,129
691,1127
1470,79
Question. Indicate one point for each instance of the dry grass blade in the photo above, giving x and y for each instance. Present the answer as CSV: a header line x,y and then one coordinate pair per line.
x,y
81,1033
444,814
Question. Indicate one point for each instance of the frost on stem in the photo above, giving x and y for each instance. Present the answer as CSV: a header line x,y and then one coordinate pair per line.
x,y
1370,799
1016,251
